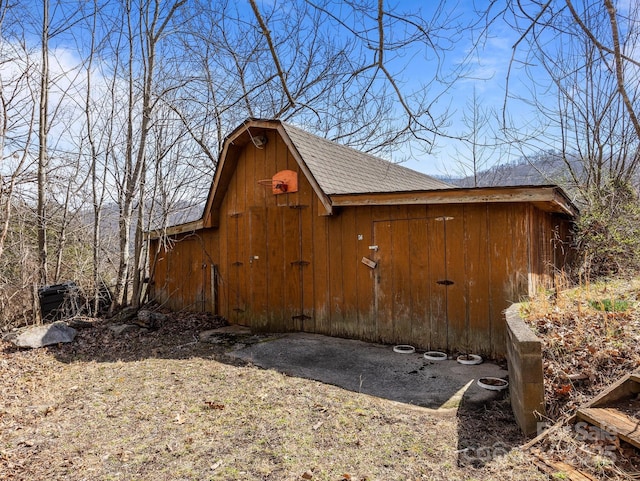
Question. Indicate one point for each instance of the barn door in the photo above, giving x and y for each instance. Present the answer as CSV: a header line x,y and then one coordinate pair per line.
x,y
418,290
236,268
275,265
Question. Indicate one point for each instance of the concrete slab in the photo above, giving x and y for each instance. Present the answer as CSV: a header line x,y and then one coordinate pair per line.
x,y
375,369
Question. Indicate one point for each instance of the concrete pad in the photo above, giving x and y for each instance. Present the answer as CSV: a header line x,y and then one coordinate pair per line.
x,y
375,369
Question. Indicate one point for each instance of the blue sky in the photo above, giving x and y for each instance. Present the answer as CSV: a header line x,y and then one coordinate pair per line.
x,y
485,74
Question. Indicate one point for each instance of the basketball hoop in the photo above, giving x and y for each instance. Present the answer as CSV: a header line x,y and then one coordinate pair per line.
x,y
283,182
278,185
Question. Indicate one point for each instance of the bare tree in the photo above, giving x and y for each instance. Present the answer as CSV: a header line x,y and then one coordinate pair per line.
x,y
43,163
580,55
146,29
481,145
584,56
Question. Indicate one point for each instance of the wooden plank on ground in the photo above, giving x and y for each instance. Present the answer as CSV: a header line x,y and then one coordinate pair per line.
x,y
552,467
621,389
614,422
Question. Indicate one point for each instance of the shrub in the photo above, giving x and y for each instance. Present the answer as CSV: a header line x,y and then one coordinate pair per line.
x,y
608,232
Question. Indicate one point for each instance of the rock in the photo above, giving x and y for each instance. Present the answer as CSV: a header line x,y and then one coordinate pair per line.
x,y
39,336
79,323
150,319
125,314
119,329
151,315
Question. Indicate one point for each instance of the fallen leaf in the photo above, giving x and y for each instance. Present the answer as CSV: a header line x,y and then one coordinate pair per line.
x,y
562,390
307,475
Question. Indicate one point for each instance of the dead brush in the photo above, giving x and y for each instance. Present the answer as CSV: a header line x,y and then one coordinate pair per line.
x,y
590,338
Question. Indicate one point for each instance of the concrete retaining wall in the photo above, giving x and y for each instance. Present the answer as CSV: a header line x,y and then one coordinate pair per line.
x,y
524,356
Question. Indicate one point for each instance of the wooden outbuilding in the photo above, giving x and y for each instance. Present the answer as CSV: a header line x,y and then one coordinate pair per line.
x,y
303,234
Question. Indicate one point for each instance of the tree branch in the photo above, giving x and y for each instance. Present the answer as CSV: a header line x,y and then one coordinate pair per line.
x,y
272,49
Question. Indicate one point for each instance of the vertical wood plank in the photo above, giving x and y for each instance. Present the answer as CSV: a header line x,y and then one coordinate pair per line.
x,y
275,269
259,305
501,266
419,281
476,247
456,292
244,313
336,288
437,272
292,271
365,276
321,270
307,199
402,256
223,264
213,255
349,267
383,235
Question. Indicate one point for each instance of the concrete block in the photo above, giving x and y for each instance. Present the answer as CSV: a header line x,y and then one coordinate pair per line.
x,y
526,379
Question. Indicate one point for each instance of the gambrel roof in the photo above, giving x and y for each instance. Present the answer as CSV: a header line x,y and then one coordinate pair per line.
x,y
341,177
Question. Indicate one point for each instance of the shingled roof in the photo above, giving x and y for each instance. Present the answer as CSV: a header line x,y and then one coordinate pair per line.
x,y
339,169
343,177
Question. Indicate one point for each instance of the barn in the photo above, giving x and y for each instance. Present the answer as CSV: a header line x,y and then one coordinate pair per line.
x,y
303,234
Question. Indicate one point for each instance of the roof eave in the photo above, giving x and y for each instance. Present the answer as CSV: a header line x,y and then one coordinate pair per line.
x,y
549,198
177,229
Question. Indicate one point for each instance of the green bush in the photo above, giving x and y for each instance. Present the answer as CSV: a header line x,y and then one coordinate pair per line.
x,y
608,232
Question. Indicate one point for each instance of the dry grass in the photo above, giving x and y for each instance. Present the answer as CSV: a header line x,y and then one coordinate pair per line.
x,y
159,406
591,338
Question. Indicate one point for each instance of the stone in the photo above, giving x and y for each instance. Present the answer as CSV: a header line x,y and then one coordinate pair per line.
x,y
46,335
125,314
150,319
119,329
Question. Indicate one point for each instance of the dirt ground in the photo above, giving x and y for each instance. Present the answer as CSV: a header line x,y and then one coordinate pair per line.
x,y
160,405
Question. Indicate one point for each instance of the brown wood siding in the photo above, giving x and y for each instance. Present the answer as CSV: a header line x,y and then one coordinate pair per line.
x,y
444,274
481,249
182,275
552,250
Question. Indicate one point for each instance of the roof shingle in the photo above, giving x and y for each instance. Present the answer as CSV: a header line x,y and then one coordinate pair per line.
x,y
339,169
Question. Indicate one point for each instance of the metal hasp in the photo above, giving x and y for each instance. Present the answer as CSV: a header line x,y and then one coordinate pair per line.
x,y
300,263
